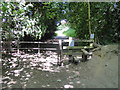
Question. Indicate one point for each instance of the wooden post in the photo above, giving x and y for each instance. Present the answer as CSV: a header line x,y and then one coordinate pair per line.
x,y
84,54
91,38
39,48
59,52
18,47
71,43
84,57
0,44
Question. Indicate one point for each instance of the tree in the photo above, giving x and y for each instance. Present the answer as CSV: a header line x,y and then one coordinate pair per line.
x,y
104,20
26,19
38,19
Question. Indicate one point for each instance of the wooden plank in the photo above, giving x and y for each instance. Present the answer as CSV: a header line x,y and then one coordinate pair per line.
x,y
85,52
80,41
76,47
77,52
72,53
51,49
30,42
95,49
33,48
96,45
40,48
41,42
48,42
8,41
8,48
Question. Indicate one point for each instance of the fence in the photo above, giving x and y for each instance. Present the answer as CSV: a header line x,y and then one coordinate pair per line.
x,y
52,45
8,45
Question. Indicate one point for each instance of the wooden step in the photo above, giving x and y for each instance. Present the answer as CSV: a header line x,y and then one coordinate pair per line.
x,y
72,53
79,41
85,52
77,47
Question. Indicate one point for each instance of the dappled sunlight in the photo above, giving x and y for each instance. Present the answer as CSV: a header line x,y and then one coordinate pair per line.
x,y
43,61
17,72
22,65
68,86
59,44
78,82
20,69
41,71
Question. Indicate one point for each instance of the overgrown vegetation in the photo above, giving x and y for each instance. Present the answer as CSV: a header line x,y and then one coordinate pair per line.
x,y
37,20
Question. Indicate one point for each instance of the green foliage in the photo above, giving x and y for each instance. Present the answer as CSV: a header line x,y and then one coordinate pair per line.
x,y
78,18
103,19
66,30
38,18
70,33
25,18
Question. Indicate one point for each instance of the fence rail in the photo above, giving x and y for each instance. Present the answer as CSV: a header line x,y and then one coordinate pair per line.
x,y
57,45
28,42
54,45
50,46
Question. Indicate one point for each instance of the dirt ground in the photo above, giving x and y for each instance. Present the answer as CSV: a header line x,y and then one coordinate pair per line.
x,y
41,72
